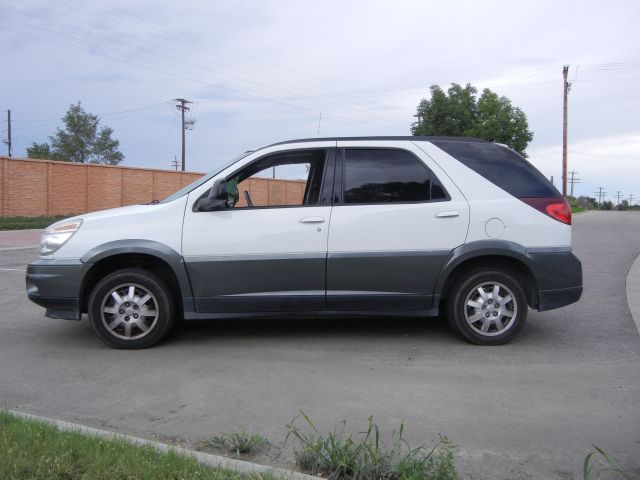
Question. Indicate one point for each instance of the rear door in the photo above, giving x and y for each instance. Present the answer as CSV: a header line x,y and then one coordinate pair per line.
x,y
396,218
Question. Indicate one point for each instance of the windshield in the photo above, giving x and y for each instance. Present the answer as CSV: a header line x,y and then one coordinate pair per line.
x,y
195,184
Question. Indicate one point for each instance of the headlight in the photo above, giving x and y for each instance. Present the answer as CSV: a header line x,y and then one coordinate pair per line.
x,y
57,235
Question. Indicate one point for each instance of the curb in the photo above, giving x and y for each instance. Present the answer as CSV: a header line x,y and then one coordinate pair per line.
x,y
633,291
211,460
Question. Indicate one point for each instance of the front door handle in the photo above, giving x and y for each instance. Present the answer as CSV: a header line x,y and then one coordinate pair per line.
x,y
312,220
450,213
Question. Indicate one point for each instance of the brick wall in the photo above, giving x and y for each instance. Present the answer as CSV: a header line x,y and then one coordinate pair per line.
x,y
43,187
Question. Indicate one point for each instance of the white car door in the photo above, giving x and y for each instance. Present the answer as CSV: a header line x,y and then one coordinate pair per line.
x,y
266,257
396,218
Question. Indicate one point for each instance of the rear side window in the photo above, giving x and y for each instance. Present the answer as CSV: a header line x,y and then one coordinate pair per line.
x,y
388,176
501,166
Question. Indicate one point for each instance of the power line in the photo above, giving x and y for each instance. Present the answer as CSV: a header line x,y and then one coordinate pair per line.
x,y
600,194
109,48
618,195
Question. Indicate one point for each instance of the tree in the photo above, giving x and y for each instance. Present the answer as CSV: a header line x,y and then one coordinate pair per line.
x,y
458,113
41,150
81,141
606,205
624,205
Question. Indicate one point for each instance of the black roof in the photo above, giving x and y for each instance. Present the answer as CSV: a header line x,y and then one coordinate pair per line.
x,y
413,138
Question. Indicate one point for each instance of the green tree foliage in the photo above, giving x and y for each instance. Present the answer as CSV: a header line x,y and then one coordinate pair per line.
x,y
458,112
606,205
81,141
41,150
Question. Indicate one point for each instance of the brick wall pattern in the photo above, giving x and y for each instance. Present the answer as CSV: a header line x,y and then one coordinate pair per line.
x,y
32,188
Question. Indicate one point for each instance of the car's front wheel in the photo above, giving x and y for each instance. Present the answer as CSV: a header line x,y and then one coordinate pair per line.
x,y
487,307
131,308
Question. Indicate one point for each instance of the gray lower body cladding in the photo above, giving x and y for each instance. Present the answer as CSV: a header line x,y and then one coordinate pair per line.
x,y
340,283
558,276
55,285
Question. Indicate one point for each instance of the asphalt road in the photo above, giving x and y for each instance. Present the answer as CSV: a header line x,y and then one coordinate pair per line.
x,y
530,409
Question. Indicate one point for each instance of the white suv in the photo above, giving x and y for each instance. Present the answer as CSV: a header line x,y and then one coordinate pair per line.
x,y
391,226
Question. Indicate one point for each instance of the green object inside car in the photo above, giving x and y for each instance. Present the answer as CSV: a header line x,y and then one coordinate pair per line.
x,y
232,191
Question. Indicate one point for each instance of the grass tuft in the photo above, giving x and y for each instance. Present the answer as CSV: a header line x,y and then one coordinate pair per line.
x,y
340,456
611,466
236,443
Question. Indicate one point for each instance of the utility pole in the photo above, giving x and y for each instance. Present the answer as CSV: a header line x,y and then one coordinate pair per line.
x,y
566,87
618,195
182,106
601,194
8,140
175,162
630,199
573,180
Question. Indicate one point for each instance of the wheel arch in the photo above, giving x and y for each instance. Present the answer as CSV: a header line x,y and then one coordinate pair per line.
x,y
503,255
150,255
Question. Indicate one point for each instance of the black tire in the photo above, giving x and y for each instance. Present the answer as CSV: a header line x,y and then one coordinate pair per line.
x,y
492,324
118,328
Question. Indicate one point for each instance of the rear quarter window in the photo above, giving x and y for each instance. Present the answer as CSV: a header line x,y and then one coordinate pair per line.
x,y
501,166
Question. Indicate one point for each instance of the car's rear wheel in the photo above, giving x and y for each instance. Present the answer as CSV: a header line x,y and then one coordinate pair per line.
x,y
131,308
487,307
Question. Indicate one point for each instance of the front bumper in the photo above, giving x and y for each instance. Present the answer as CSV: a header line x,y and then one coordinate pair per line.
x,y
55,285
558,276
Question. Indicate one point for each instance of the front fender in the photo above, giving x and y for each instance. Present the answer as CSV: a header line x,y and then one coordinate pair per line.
x,y
146,247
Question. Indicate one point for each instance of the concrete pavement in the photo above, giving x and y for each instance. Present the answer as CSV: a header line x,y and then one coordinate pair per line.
x,y
10,239
530,409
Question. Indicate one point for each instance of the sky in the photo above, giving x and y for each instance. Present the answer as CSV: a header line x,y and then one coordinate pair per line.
x,y
260,72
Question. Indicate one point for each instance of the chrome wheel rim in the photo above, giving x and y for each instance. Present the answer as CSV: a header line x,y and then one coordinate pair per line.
x,y
490,309
129,311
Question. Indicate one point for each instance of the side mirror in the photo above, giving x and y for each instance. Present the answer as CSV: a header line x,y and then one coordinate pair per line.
x,y
215,200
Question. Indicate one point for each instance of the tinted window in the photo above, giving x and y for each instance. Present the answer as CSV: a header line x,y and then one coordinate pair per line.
x,y
502,166
383,176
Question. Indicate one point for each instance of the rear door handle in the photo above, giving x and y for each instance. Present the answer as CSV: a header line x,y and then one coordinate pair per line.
x,y
312,220
450,213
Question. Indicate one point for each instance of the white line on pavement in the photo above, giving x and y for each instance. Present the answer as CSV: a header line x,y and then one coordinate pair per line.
x,y
6,249
13,269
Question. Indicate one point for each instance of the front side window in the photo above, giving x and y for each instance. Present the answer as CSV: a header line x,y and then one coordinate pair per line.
x,y
387,176
289,179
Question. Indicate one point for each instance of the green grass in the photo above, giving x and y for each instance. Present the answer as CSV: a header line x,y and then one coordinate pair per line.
x,y
35,450
578,209
26,223
610,465
340,456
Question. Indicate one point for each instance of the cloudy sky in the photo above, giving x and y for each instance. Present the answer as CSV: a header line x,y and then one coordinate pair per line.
x,y
265,71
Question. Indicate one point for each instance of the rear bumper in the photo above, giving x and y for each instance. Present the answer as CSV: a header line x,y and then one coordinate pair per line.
x,y
558,276
55,285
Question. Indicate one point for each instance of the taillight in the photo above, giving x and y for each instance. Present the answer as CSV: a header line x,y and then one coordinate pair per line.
x,y
556,207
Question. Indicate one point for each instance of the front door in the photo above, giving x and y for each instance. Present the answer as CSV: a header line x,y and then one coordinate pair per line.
x,y
267,251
